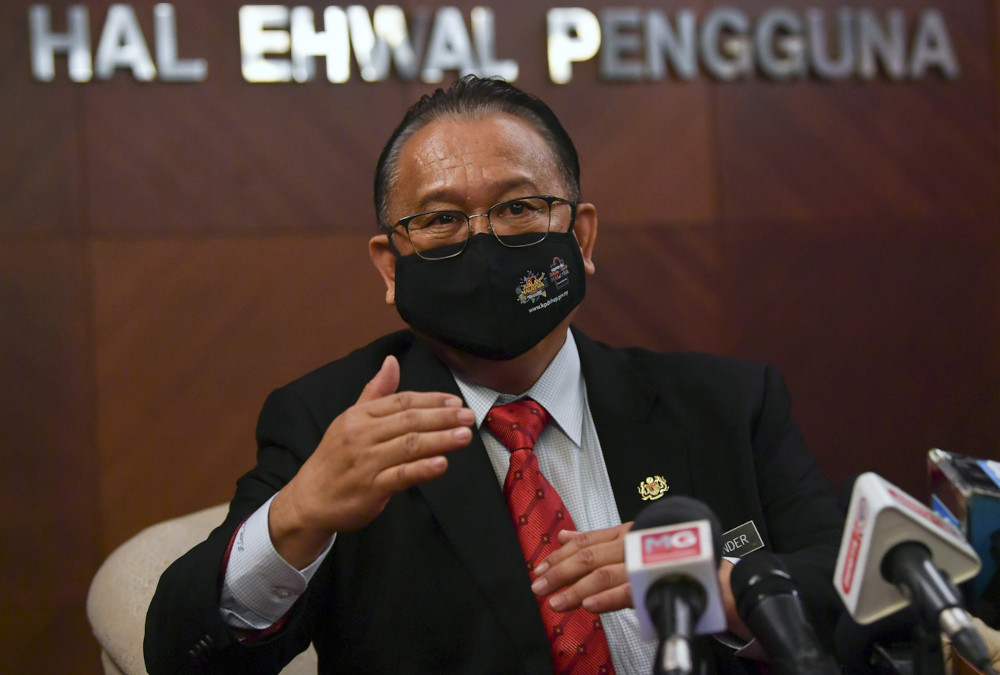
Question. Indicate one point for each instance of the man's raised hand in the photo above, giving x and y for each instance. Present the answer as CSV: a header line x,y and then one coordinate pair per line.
x,y
385,443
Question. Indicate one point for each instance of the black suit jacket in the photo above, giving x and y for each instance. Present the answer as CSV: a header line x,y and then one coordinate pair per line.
x,y
436,583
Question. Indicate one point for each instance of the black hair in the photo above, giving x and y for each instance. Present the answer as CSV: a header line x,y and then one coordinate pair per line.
x,y
474,97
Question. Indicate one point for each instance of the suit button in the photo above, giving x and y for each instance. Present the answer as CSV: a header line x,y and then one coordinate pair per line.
x,y
198,651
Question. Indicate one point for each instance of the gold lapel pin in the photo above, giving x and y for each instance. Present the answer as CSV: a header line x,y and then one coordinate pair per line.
x,y
653,487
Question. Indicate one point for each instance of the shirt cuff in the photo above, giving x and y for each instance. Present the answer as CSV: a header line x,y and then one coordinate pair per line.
x,y
260,586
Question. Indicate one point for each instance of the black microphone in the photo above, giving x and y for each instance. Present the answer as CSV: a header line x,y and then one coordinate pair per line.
x,y
672,558
768,602
911,568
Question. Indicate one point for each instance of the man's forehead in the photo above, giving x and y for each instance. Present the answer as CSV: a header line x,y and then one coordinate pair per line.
x,y
469,136
499,147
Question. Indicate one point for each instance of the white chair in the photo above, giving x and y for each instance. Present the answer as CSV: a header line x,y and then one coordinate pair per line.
x,y
122,588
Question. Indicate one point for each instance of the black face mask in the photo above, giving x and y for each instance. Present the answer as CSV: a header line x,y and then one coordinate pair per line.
x,y
492,301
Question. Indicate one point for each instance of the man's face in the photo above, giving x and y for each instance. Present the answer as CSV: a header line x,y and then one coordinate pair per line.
x,y
469,165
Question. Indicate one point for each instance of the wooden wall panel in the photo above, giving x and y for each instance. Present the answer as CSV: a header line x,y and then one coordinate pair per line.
x,y
286,159
659,287
49,521
864,152
170,253
885,329
671,168
857,154
40,147
191,335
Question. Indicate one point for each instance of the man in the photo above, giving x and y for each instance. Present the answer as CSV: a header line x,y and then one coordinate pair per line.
x,y
382,521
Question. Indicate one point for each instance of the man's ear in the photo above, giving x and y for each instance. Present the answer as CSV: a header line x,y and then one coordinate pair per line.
x,y
385,262
585,228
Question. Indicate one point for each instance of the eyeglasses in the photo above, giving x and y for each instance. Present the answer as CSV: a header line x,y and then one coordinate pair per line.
x,y
516,223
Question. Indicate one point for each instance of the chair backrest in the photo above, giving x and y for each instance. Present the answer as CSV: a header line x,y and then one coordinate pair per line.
x,y
122,588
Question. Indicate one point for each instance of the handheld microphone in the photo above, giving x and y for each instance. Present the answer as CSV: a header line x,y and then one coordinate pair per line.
x,y
896,552
768,602
672,559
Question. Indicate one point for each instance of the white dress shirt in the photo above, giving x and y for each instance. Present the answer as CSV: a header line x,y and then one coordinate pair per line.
x,y
260,587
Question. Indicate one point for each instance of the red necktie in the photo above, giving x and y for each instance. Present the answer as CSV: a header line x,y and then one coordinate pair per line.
x,y
576,637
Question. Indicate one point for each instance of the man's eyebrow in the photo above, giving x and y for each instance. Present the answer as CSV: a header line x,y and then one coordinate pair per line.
x,y
513,187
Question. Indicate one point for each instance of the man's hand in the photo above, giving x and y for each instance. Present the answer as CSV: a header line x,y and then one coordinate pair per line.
x,y
385,443
588,570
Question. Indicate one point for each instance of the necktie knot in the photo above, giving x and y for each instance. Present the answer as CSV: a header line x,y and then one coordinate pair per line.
x,y
517,424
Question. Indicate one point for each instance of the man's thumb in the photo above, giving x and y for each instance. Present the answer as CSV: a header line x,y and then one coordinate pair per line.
x,y
385,382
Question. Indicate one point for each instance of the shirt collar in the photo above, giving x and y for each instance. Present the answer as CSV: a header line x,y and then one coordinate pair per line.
x,y
559,390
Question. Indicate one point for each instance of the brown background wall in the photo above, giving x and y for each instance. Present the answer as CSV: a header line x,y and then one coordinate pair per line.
x,y
170,253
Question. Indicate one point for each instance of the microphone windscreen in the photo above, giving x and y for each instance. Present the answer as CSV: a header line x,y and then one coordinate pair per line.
x,y
759,575
680,510
881,517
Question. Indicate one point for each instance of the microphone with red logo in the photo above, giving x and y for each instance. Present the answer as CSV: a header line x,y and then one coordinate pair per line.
x,y
896,552
672,559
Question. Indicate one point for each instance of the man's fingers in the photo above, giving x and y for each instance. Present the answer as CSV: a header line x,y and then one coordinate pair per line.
x,y
416,420
610,600
399,453
582,563
606,587
573,542
405,476
401,402
385,382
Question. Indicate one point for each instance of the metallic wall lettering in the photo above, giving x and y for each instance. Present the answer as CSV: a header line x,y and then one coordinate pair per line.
x,y
256,41
727,44
622,48
484,30
384,39
173,69
725,49
449,47
825,66
675,44
780,45
932,47
376,41
574,36
75,43
122,45
306,43
280,43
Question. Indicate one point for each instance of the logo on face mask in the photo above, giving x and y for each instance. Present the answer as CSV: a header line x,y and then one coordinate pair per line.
x,y
531,288
559,274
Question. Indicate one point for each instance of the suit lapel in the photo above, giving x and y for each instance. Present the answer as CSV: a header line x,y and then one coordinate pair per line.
x,y
639,437
469,506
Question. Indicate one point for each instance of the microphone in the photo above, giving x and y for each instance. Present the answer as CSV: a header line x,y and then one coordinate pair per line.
x,y
896,552
966,491
768,602
672,559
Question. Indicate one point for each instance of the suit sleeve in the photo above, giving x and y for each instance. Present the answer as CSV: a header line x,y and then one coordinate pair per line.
x,y
799,504
185,632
